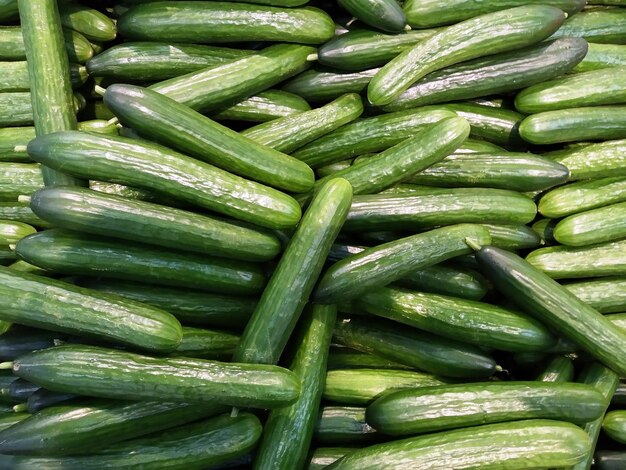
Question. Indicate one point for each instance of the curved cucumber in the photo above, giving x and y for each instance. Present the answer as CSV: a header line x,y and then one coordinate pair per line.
x,y
607,295
600,160
207,344
602,25
43,398
326,85
8,10
381,14
600,56
9,419
600,225
583,196
263,107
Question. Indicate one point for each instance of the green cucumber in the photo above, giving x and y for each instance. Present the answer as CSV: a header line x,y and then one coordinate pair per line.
x,y
15,77
346,358
344,425
600,225
163,120
12,46
487,34
21,389
11,232
362,386
322,457
575,125
583,196
263,107
293,280
23,266
18,179
478,146
58,306
600,56
603,26
8,10
92,24
563,262
20,212
414,348
332,168
16,109
385,15
75,253
558,369
9,419
542,297
482,324
600,160
207,344
614,425
513,237
43,398
20,340
619,398
501,73
326,84
609,459
503,170
131,162
108,373
289,430
13,141
96,213
607,295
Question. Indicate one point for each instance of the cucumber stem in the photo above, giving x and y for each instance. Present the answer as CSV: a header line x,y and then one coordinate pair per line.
x,y
99,90
12,246
114,121
234,412
20,148
25,198
6,365
20,407
473,244
408,27
311,58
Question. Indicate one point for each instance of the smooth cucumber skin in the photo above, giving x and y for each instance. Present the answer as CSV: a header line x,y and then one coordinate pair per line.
x,y
606,295
322,457
211,22
542,297
263,107
74,253
346,358
491,33
575,125
325,85
501,73
600,160
11,232
600,225
108,373
381,14
513,237
12,45
206,344
58,306
583,196
91,23
614,425
602,26
559,369
131,162
600,56
43,398
18,179
9,419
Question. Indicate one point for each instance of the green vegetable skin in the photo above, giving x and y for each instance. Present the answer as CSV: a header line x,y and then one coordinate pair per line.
x,y
559,369
595,226
265,106
92,24
603,26
582,196
381,14
344,425
600,56
599,160
614,425
606,295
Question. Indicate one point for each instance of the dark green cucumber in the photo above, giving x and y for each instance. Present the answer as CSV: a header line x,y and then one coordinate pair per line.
x,y
501,73
12,46
322,457
108,373
289,430
8,10
205,444
614,425
414,348
21,389
504,170
91,23
6,379
513,237
43,398
575,125
600,225
600,56
603,26
345,358
18,179
20,340
58,306
326,84
344,425
609,459
545,229
478,146
600,160
362,386
563,262
263,107
131,162
332,168
606,295
9,419
385,15
163,120
92,212
207,344
482,324
11,232
16,109
619,398
369,135
293,280
558,369
540,296
75,253
486,34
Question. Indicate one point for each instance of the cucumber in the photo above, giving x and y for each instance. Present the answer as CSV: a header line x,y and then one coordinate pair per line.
x,y
545,229
293,280
292,132
206,344
344,425
12,46
614,425
433,409
609,459
326,84
205,444
216,22
8,10
513,237
607,295
20,390
563,262
600,225
163,120
16,109
333,168
11,232
600,56
386,15
288,431
9,419
12,143
108,373
487,34
482,324
265,106
575,125
414,348
431,207
500,73
20,340
19,179
600,160
478,146
114,216
58,306
190,307
362,386
92,24
368,135
123,160
559,369
428,13
43,398
603,26
540,296
20,212
583,196
322,457
346,358
74,253
503,170
15,76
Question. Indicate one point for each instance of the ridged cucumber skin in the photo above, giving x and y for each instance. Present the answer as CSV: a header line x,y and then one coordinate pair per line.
x,y
579,90
18,179
369,135
9,419
123,160
152,61
190,307
362,49
575,125
11,232
263,107
439,408
503,170
385,15
75,253
564,262
423,351
600,56
289,430
15,76
205,444
501,73
602,26
206,344
344,425
326,84
293,280
322,457
87,427
609,459
606,295
429,13
218,22
58,306
292,132
559,369
92,24
600,225
12,137
12,47
431,207
108,373
583,196
361,386
20,212
542,297
16,109
599,160
20,340
489,34
479,323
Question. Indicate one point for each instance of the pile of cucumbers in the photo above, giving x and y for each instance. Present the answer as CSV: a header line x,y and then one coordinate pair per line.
x,y
291,234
